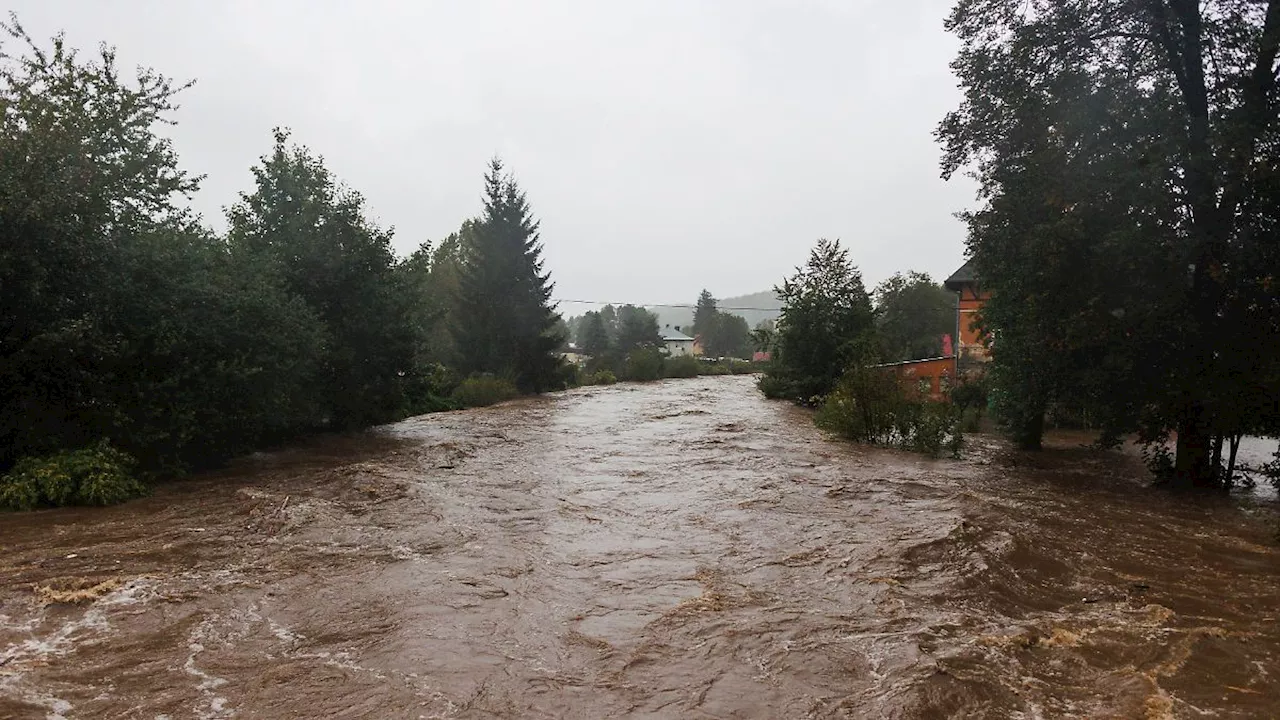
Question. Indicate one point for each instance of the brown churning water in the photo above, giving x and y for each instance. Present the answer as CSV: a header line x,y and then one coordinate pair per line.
x,y
677,550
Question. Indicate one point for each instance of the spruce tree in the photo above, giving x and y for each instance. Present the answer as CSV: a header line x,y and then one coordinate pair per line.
x,y
505,323
704,315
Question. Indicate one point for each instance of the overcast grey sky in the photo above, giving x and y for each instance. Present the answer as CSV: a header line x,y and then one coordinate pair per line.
x,y
666,145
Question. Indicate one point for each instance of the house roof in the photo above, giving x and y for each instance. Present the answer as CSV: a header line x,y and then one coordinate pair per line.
x,y
964,276
669,335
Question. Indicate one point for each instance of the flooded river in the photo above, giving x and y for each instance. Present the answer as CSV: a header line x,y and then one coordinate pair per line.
x,y
677,550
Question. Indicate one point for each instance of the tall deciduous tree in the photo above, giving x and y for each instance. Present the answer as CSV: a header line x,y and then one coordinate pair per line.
x,y
637,328
1150,132
505,323
314,235
123,319
912,314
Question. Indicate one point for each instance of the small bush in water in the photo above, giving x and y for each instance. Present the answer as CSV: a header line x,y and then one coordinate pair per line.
x,y
600,377
685,366
644,364
871,406
482,390
96,475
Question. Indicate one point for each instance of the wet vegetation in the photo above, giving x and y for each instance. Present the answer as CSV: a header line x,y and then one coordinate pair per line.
x,y
831,337
136,342
871,406
1128,157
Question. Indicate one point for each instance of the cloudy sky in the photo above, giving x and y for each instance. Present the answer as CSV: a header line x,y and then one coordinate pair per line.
x,y
666,145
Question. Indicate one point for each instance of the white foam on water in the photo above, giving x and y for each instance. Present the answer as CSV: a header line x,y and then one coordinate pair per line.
x,y
207,683
284,634
65,638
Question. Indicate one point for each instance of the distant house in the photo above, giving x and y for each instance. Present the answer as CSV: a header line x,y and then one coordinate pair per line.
x,y
677,343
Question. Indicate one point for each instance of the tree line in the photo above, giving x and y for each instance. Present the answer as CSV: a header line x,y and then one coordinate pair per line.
x,y
1128,156
134,330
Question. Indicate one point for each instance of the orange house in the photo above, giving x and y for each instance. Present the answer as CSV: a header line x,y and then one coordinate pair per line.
x,y
930,377
973,343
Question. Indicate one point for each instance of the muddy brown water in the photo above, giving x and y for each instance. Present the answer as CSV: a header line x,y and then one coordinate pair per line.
x,y
677,550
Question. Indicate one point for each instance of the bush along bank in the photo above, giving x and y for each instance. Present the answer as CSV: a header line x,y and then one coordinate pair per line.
x,y
871,406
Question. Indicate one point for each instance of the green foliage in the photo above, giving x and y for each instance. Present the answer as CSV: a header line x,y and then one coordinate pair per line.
x,y
723,334
505,324
636,328
912,315
704,313
727,367
594,335
126,320
869,405
313,233
685,366
711,367
429,388
1131,195
971,398
96,475
19,491
600,377
484,390
643,364
825,325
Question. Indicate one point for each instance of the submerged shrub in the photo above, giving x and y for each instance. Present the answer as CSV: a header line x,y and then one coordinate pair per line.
x,y
871,406
685,366
644,364
600,377
707,367
96,475
484,390
19,492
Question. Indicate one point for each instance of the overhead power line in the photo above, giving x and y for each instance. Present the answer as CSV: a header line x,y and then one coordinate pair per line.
x,y
949,309
662,305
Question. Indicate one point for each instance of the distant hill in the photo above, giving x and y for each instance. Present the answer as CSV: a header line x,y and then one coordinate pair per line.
x,y
760,306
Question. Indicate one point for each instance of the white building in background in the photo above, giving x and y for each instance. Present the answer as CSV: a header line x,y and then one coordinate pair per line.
x,y
677,343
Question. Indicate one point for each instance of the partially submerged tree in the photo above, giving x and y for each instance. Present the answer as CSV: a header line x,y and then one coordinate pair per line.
x,y
1127,153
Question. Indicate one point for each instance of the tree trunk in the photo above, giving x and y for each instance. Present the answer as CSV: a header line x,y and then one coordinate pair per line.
x,y
1192,467
1031,434
1231,462
1215,465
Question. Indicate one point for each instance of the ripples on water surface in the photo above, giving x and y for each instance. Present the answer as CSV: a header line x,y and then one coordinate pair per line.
x,y
682,550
